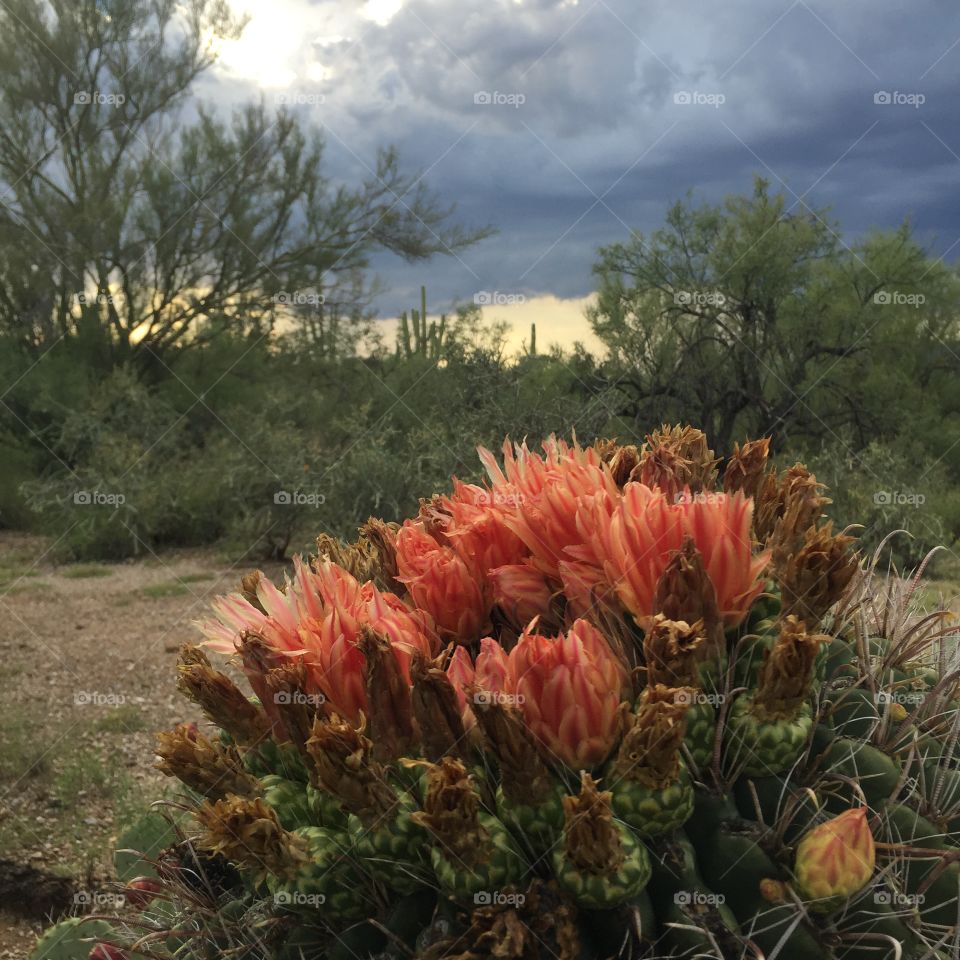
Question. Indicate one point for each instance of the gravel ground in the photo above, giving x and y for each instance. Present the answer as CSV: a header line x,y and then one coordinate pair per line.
x,y
87,677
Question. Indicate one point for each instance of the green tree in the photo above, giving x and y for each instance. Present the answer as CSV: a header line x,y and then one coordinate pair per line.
x,y
747,317
125,212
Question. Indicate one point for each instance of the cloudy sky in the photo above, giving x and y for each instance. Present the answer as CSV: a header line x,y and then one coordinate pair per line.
x,y
566,123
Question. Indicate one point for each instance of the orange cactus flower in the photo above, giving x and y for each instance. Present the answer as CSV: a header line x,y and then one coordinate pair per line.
x,y
474,521
837,858
522,591
720,524
318,616
563,687
548,490
636,541
460,673
441,583
644,530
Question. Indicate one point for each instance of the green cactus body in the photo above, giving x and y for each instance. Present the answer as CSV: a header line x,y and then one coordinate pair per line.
x,y
760,748
881,916
877,774
498,867
71,939
394,851
942,790
540,824
771,799
840,661
733,865
281,759
680,896
711,812
604,891
695,929
751,652
328,884
291,801
652,812
852,711
701,733
923,877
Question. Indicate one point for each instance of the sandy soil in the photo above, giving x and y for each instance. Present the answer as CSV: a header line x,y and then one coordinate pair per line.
x,y
87,656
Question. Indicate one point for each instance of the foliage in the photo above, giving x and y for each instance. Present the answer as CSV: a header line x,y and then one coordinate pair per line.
x,y
752,317
117,230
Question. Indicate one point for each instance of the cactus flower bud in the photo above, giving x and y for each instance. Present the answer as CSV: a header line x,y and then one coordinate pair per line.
x,y
836,858
140,891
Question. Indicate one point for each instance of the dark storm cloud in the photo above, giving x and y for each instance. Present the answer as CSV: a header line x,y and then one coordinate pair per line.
x,y
582,136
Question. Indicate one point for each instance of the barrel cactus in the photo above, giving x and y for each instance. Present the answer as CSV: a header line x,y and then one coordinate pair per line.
x,y
617,701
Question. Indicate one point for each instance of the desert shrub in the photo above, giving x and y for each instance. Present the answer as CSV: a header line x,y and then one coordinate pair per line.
x,y
889,486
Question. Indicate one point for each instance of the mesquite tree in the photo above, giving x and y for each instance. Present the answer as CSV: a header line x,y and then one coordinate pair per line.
x,y
130,211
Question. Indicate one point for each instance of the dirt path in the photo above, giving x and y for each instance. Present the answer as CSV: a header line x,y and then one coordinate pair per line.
x,y
87,656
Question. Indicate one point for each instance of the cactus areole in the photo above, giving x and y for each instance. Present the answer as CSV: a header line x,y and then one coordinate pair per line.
x,y
613,701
